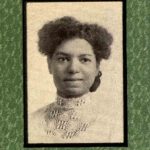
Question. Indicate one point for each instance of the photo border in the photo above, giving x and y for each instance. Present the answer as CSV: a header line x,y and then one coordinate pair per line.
x,y
25,83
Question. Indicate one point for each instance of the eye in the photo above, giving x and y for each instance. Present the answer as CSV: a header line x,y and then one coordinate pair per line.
x,y
85,60
63,59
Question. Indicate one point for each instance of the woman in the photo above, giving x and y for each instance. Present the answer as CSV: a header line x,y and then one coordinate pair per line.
x,y
74,51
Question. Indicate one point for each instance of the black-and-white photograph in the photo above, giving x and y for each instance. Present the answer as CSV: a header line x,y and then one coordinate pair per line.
x,y
75,72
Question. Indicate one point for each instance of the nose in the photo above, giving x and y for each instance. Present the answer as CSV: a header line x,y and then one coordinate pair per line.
x,y
73,66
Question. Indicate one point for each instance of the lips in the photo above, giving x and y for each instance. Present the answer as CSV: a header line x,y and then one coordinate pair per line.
x,y
73,82
73,79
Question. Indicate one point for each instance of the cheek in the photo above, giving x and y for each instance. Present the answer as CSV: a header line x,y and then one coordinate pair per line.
x,y
90,75
58,70
58,74
57,80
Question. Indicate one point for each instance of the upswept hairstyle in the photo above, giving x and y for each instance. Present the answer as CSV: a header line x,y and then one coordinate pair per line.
x,y
52,34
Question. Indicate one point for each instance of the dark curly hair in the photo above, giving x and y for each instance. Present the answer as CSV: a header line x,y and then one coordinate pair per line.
x,y
55,32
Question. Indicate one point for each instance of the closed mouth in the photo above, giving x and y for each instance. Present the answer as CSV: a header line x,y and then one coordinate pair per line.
x,y
74,79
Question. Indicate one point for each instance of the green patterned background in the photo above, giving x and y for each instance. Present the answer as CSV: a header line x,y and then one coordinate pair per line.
x,y
11,79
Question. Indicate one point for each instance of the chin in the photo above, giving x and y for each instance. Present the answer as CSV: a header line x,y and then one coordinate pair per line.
x,y
74,92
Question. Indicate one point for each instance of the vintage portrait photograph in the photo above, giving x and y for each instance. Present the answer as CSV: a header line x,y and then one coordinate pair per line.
x,y
74,62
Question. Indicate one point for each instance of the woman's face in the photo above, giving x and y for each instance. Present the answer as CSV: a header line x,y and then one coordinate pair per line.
x,y
74,67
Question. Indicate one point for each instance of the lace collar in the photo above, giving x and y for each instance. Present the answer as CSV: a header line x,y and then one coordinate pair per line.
x,y
70,117
74,102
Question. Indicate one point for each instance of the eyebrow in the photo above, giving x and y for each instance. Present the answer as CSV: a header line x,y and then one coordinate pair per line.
x,y
82,55
62,53
65,54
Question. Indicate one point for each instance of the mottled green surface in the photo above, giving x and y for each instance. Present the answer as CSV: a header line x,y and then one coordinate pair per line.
x,y
11,79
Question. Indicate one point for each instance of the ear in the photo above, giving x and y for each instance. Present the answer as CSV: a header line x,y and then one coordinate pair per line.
x,y
49,62
97,68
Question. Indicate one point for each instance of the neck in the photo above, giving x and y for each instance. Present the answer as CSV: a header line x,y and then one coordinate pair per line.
x,y
68,96
73,101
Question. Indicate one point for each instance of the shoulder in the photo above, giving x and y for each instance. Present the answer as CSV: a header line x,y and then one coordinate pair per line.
x,y
45,114
37,123
40,112
51,110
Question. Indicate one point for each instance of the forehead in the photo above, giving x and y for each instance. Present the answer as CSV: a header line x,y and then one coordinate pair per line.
x,y
75,46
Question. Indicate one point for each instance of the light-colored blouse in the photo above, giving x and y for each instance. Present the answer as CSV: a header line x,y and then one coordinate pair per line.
x,y
72,120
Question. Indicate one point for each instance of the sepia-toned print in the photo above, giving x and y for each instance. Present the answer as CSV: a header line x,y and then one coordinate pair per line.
x,y
75,72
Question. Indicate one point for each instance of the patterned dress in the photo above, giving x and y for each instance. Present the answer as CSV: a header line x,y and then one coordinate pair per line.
x,y
70,120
